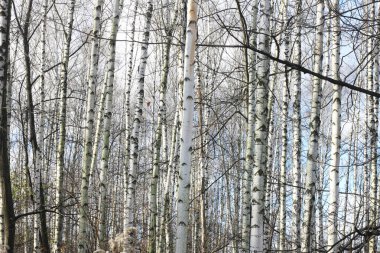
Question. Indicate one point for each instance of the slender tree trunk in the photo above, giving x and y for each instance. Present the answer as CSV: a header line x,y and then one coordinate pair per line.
x,y
356,128
247,172
165,222
372,81
335,135
296,152
320,181
153,230
201,177
347,183
131,235
98,131
88,142
118,6
41,129
261,132
284,134
312,157
186,129
40,224
62,130
127,127
7,222
42,118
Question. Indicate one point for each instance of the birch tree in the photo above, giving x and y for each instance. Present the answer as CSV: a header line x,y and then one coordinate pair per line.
x,y
7,225
118,6
127,127
312,155
186,129
90,111
336,129
296,150
247,173
62,129
284,134
41,241
261,132
372,82
131,236
159,132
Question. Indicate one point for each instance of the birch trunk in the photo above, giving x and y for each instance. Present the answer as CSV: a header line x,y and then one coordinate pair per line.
x,y
335,133
272,142
118,6
166,242
131,236
7,225
356,128
349,162
366,174
40,137
284,134
98,131
261,132
312,157
320,242
247,172
88,142
160,140
201,178
42,119
186,129
62,130
40,228
157,147
127,125
296,152
372,81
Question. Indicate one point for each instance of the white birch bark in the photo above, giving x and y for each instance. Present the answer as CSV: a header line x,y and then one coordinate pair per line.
x,y
366,172
117,9
157,147
88,142
296,150
62,130
272,143
335,133
284,134
40,228
372,82
160,138
42,93
368,185
127,124
4,48
351,144
247,172
5,213
98,131
319,238
186,129
312,156
201,175
131,236
356,128
42,119
165,244
261,132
